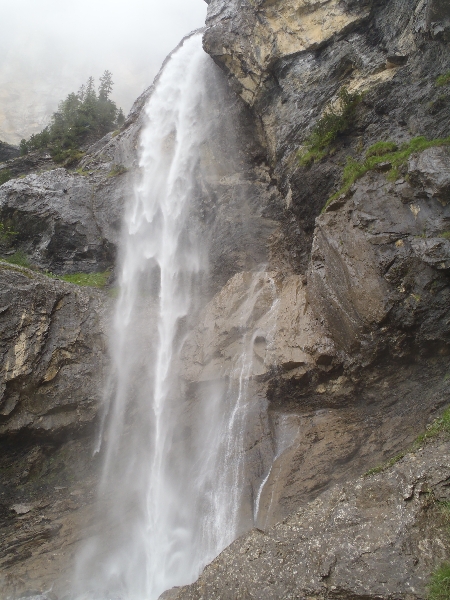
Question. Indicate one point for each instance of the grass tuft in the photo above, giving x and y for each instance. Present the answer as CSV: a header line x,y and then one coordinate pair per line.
x,y
334,122
5,175
82,172
97,280
394,158
19,258
381,148
117,170
443,79
439,586
6,233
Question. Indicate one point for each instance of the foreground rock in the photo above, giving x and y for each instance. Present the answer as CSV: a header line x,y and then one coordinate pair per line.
x,y
380,537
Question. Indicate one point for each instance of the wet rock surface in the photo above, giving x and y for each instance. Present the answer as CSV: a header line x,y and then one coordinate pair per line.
x,y
47,504
292,85
60,221
54,360
380,260
379,536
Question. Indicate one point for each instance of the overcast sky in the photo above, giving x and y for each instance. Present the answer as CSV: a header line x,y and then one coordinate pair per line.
x,y
48,48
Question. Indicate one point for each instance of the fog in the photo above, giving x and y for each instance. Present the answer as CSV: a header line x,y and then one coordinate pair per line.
x,y
48,48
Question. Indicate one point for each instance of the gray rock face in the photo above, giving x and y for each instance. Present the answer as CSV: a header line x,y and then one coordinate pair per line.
x,y
248,38
355,363
438,19
289,60
62,221
380,536
53,348
380,260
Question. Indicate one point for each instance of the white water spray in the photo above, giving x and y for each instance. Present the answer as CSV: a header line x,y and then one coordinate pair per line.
x,y
163,518
171,491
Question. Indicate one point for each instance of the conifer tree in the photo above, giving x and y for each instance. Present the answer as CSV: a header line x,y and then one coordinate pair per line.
x,y
81,119
106,86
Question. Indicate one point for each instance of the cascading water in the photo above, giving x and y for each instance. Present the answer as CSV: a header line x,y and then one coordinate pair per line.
x,y
171,489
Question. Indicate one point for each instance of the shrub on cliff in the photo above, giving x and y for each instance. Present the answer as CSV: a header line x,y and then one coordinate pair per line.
x,y
334,122
81,118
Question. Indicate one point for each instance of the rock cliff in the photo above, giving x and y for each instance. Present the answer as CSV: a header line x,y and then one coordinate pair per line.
x,y
347,310
364,333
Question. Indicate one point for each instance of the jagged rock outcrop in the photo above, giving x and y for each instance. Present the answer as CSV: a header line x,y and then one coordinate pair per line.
x,y
54,361
53,346
379,536
63,222
248,38
380,261
261,314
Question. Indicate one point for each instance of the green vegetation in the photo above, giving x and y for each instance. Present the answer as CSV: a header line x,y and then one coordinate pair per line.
x,y
117,170
81,171
439,586
5,175
443,79
332,124
390,463
445,235
381,148
97,280
438,426
441,425
6,233
19,258
383,154
81,118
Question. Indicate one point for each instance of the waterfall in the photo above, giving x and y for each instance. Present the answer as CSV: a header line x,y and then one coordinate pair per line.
x,y
174,475
171,490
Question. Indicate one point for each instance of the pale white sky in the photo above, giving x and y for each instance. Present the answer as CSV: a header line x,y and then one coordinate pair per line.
x,y
48,48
